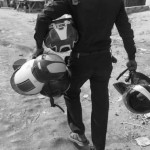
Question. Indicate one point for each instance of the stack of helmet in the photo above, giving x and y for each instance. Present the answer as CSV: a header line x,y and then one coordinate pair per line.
x,y
47,74
136,96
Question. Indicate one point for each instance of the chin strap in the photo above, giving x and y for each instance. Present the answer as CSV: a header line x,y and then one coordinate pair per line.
x,y
122,73
55,105
131,73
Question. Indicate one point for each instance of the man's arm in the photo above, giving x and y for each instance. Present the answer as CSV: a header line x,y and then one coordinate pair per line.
x,y
53,10
124,28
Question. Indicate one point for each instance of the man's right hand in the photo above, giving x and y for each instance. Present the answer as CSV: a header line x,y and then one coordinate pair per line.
x,y
37,52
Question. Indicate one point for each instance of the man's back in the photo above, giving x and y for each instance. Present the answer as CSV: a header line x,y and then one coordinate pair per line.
x,y
94,20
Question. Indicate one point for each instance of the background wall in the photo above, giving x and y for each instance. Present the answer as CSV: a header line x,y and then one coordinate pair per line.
x,y
129,3
148,2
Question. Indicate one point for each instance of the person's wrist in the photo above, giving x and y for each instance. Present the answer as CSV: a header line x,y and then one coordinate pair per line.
x,y
131,58
37,52
39,45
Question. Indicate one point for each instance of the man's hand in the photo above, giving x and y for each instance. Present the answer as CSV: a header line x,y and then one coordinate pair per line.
x,y
132,65
37,52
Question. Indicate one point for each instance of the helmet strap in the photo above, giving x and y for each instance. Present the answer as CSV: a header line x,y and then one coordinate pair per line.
x,y
55,105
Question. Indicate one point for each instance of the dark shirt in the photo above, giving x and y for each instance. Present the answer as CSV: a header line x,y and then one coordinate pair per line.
x,y
94,20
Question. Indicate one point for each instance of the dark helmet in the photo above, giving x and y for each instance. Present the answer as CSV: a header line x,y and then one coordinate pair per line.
x,y
62,35
137,99
48,67
136,95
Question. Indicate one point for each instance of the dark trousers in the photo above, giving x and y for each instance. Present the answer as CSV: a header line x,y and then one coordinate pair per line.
x,y
97,69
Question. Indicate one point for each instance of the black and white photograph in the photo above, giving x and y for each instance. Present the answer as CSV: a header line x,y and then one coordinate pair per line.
x,y
74,74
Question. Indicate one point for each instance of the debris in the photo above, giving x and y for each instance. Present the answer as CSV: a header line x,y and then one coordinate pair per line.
x,y
85,96
9,45
38,115
45,112
119,99
41,96
142,49
143,123
116,114
134,125
147,116
143,141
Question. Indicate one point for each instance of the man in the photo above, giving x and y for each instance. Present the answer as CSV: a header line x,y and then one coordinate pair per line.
x,y
90,59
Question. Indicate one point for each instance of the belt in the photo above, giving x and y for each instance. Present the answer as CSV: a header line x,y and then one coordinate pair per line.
x,y
78,54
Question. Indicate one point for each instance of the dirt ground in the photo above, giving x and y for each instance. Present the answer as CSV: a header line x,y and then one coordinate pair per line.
x,y
29,123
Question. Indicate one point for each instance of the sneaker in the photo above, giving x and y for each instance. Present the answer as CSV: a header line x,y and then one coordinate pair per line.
x,y
80,140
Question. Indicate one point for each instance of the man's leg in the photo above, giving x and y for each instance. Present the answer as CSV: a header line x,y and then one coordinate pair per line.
x,y
100,106
79,75
74,113
74,110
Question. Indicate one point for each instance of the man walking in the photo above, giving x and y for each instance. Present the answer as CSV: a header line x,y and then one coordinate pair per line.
x,y
90,59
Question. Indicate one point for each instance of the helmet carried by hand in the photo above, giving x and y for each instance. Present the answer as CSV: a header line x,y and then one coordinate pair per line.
x,y
137,99
62,36
136,95
31,76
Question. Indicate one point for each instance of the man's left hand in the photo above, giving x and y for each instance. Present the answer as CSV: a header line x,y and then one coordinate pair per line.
x,y
132,65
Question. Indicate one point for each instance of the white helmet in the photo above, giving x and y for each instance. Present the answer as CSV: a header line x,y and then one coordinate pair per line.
x,y
61,36
30,78
23,80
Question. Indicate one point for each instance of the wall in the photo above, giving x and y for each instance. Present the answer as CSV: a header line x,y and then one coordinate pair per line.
x,y
129,3
148,2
